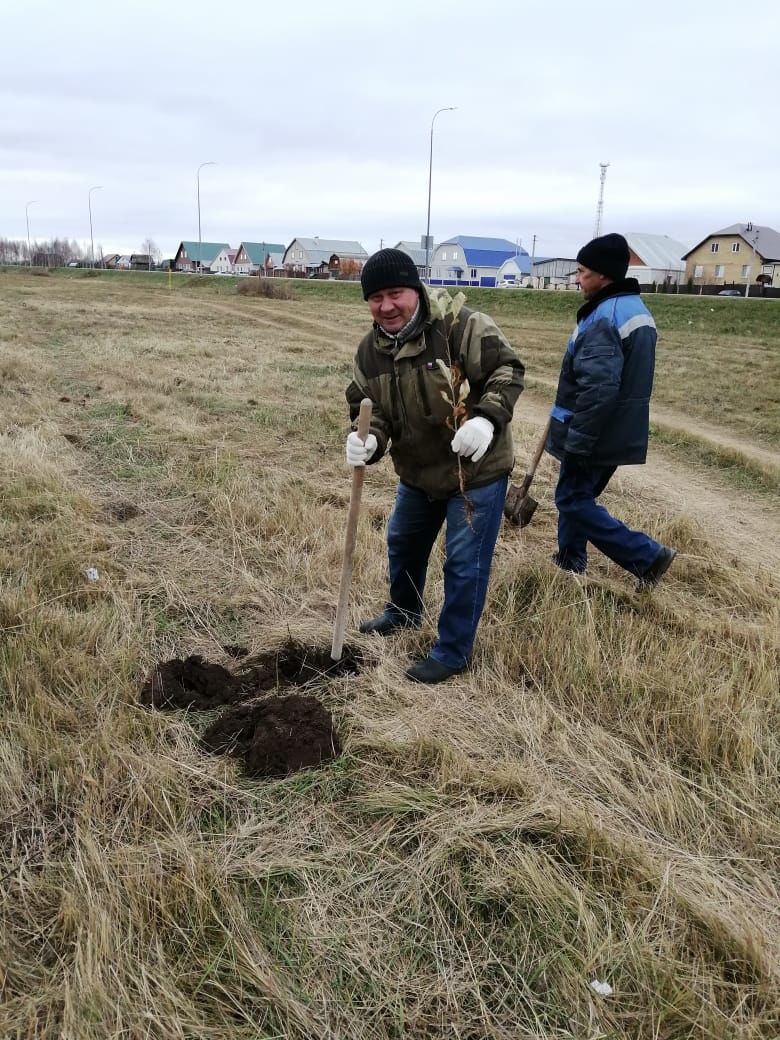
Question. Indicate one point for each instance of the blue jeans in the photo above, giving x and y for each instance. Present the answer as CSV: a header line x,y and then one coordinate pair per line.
x,y
414,524
582,520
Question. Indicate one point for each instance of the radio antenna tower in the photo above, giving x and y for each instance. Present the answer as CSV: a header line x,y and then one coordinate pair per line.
x,y
600,207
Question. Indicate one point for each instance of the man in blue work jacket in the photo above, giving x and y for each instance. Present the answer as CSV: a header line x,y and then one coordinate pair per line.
x,y
601,415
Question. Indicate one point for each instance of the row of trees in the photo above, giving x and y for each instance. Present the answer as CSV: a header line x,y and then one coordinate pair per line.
x,y
57,252
54,253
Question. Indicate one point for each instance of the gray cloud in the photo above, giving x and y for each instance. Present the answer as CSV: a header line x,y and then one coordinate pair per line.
x,y
319,120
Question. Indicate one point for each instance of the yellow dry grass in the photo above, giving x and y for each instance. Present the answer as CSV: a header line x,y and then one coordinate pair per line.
x,y
597,799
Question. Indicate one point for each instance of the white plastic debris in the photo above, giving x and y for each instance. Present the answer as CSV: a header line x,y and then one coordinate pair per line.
x,y
92,574
602,988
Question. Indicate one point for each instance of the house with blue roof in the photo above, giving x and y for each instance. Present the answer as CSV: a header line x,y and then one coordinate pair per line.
x,y
471,261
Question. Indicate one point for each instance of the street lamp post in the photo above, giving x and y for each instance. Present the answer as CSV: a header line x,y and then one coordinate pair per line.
x,y
430,174
27,218
97,187
197,177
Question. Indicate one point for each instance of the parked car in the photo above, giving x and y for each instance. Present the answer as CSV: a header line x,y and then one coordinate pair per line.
x,y
505,284
731,292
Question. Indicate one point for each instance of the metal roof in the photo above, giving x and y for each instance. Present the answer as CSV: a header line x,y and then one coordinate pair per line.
x,y
208,250
415,251
767,240
319,249
257,251
657,251
522,262
486,252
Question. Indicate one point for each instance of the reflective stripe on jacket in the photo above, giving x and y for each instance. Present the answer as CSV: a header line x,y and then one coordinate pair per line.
x,y
602,406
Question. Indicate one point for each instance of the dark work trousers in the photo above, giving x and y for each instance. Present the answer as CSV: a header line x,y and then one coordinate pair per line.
x,y
414,524
581,520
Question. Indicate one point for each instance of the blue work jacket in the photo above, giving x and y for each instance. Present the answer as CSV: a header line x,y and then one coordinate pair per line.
x,y
602,406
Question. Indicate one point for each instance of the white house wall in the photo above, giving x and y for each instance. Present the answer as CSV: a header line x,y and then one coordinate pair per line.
x,y
472,276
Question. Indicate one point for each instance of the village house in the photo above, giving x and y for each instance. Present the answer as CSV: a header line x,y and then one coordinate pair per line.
x,y
258,257
223,262
314,256
468,260
189,253
738,255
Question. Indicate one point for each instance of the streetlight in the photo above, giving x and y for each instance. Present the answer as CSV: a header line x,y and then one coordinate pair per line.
x,y
430,172
27,218
97,187
200,263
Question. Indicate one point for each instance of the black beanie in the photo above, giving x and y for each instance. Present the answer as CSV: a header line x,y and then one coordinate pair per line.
x,y
389,269
607,255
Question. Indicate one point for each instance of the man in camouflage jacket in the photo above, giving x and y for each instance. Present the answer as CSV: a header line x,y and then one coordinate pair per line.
x,y
453,462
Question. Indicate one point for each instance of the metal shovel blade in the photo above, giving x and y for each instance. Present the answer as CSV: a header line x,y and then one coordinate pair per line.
x,y
519,507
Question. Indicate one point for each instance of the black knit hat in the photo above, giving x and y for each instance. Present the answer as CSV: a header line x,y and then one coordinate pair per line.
x,y
607,255
389,269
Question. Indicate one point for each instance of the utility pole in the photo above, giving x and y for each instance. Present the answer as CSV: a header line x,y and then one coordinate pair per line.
x,y
27,218
430,176
89,204
533,254
748,231
600,207
200,247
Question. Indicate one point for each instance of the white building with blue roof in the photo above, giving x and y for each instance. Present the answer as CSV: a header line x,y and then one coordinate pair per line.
x,y
470,261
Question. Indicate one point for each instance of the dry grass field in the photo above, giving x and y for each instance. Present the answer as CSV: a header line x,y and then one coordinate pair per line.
x,y
595,800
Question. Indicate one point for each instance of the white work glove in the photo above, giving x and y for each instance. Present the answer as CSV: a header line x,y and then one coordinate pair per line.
x,y
473,438
358,451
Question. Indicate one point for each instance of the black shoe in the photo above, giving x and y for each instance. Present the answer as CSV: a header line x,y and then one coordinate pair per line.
x,y
566,565
387,623
428,670
657,569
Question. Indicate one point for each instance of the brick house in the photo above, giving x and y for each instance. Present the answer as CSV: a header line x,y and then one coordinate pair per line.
x,y
736,255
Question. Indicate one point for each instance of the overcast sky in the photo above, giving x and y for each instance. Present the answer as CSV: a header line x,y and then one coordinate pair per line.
x,y
318,117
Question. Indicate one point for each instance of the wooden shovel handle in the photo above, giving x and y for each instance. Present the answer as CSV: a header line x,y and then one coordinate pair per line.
x,y
527,480
539,450
358,474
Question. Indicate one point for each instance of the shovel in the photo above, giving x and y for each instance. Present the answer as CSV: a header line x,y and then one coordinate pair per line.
x,y
358,473
519,507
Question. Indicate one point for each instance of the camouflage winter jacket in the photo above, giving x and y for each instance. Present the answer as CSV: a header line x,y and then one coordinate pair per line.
x,y
412,400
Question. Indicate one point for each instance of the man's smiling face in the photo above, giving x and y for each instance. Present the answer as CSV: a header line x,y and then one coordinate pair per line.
x,y
393,308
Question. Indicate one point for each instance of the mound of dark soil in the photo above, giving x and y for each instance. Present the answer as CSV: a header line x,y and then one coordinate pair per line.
x,y
294,664
201,685
191,683
276,736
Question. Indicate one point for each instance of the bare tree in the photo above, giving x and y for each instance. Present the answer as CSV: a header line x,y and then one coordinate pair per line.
x,y
150,248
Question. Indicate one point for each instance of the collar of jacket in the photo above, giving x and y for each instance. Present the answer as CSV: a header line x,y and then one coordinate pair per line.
x,y
394,345
626,287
